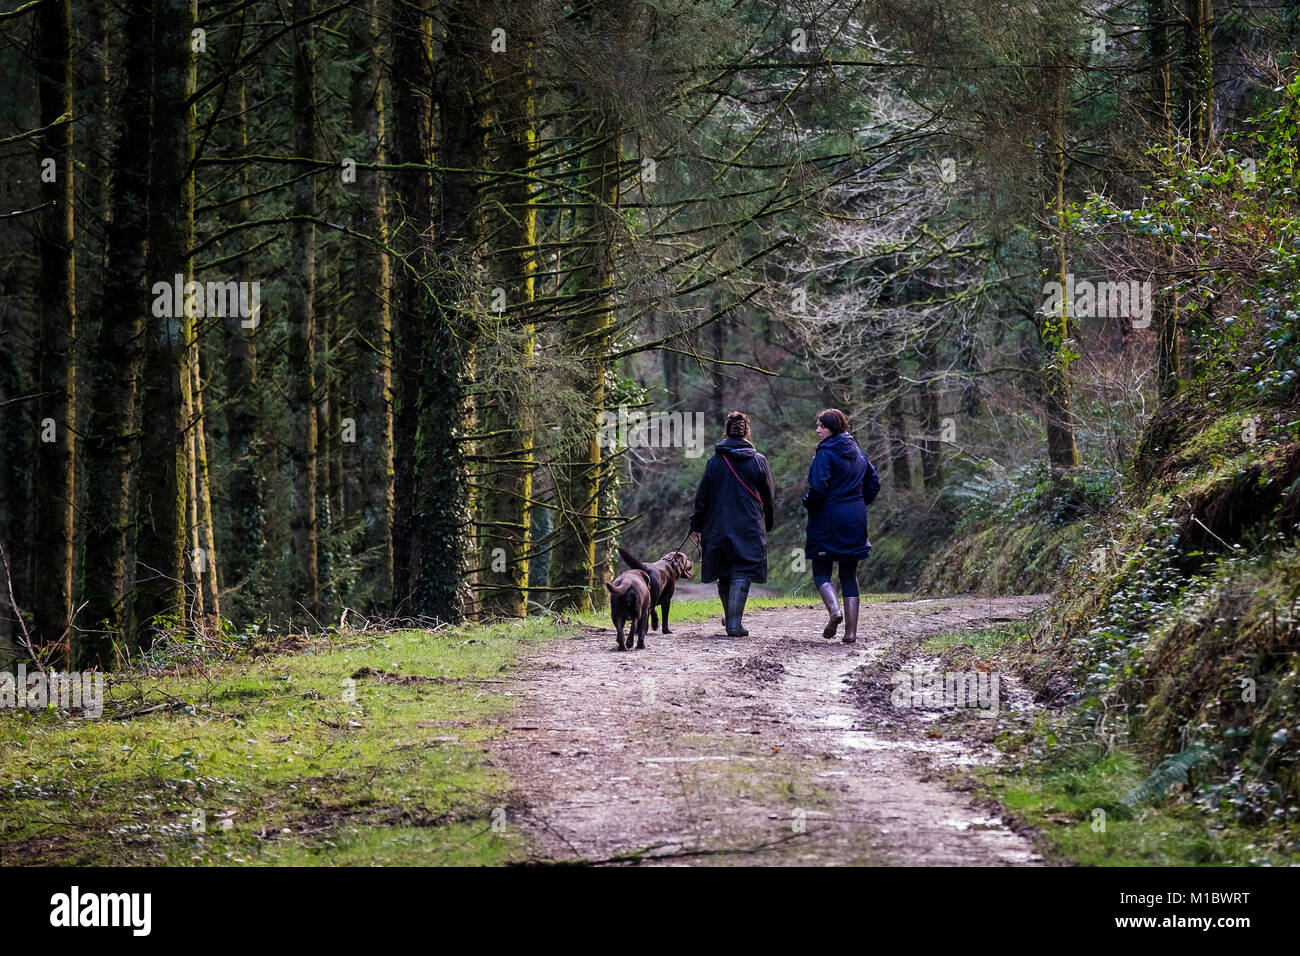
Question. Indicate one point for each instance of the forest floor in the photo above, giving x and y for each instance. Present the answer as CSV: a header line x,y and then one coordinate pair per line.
x,y
535,741
778,748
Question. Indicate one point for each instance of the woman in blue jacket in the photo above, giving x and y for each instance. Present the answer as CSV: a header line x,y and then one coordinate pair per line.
x,y
841,483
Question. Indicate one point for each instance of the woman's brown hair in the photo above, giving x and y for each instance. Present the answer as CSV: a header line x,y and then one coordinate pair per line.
x,y
833,419
737,425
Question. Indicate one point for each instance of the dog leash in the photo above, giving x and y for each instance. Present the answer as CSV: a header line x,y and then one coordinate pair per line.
x,y
697,544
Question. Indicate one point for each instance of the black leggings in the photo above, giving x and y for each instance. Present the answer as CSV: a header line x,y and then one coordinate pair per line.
x,y
848,576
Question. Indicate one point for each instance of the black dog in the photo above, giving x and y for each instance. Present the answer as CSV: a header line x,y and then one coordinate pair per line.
x,y
629,602
663,576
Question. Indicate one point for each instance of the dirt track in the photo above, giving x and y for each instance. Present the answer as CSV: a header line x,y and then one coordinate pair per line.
x,y
779,748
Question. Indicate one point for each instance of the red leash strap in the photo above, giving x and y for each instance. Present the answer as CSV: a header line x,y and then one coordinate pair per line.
x,y
742,482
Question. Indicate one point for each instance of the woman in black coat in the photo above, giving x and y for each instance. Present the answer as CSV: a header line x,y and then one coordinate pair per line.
x,y
734,510
841,483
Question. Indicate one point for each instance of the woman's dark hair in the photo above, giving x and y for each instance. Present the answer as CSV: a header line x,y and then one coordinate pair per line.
x,y
833,419
737,425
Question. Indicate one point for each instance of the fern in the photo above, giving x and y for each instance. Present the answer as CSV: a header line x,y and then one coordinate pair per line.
x,y
1173,769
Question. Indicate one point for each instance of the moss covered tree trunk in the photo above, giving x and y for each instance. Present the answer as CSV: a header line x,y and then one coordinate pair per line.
x,y
165,395
370,311
1160,15
1197,74
573,566
1054,328
505,476
434,333
931,448
303,437
195,559
243,416
56,376
1195,96
412,45
209,573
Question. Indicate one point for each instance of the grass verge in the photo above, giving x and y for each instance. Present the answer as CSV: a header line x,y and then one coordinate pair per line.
x,y
1092,799
364,748
1076,797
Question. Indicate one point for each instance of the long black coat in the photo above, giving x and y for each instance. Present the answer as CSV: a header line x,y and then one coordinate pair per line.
x,y
841,483
733,522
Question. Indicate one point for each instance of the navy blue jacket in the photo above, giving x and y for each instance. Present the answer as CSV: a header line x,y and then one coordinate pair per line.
x,y
841,483
733,522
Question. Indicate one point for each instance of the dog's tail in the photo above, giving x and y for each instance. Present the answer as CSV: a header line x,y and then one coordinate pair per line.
x,y
638,566
633,562
616,591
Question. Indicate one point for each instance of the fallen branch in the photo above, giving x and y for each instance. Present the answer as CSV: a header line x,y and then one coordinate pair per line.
x,y
647,853
170,705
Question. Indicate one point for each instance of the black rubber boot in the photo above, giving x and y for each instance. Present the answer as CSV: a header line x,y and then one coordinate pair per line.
x,y
724,595
736,597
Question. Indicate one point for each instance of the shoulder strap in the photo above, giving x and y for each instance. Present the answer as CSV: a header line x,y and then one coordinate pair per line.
x,y
752,492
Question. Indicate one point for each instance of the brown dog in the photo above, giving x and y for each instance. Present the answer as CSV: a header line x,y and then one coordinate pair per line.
x,y
629,602
663,580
